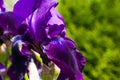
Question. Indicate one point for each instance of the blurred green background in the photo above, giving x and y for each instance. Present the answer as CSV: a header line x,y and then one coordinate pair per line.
x,y
94,25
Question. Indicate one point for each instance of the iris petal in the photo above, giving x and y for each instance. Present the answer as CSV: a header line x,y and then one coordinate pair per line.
x,y
2,7
12,73
23,8
59,51
7,23
38,21
2,69
55,24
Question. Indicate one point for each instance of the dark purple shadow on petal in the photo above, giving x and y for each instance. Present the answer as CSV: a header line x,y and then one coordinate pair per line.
x,y
55,30
12,73
1,66
1,41
62,76
7,23
1,78
22,29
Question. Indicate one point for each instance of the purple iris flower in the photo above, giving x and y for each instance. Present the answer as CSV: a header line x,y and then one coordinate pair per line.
x,y
37,25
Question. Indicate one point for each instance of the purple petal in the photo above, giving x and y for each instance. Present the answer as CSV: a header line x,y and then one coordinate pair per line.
x,y
56,18
55,30
2,7
80,60
38,20
2,69
1,78
21,30
7,24
12,73
55,24
62,76
23,8
62,52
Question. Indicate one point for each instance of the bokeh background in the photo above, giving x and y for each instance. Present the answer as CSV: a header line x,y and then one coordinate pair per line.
x,y
95,27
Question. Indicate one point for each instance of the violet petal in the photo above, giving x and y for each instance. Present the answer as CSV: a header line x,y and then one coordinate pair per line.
x,y
2,7
23,8
2,69
55,24
60,52
38,21
7,23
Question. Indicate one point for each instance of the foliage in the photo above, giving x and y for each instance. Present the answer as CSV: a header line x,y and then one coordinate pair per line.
x,y
94,25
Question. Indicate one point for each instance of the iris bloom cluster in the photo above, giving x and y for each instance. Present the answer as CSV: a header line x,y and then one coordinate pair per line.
x,y
37,31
